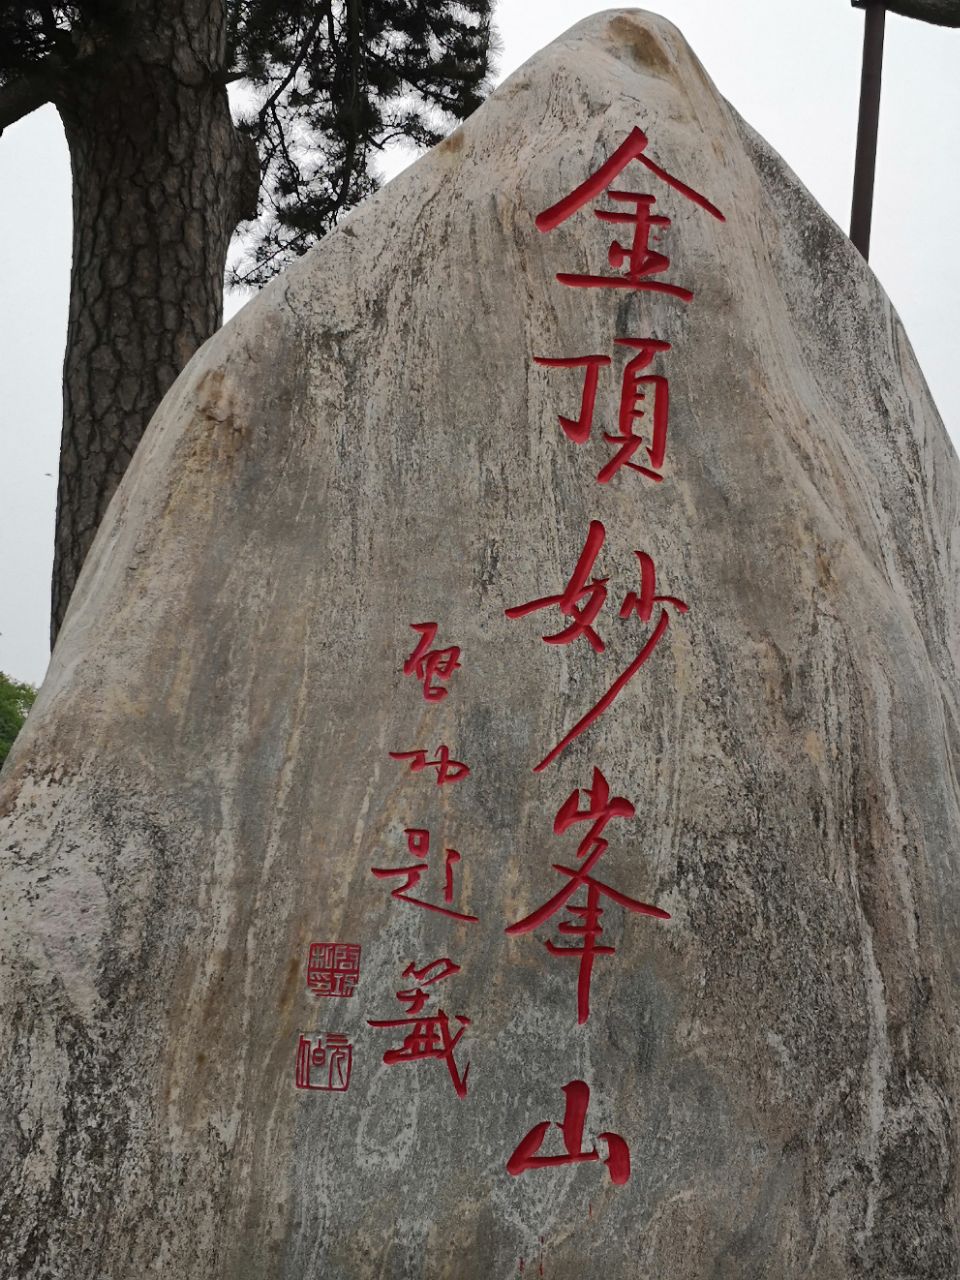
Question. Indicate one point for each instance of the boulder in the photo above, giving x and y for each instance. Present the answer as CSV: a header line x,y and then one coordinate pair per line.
x,y
349,929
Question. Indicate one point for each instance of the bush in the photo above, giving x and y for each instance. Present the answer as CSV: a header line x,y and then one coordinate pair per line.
x,y
15,701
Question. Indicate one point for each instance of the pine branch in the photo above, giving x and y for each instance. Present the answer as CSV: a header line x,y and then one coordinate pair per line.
x,y
339,79
42,81
294,67
27,92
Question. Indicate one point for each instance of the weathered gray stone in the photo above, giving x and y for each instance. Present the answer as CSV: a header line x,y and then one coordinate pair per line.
x,y
204,783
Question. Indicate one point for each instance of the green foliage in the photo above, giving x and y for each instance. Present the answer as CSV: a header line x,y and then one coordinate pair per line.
x,y
335,82
326,84
30,34
15,701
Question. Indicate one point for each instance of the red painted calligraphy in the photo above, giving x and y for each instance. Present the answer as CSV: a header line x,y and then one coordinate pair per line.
x,y
581,600
578,429
578,589
639,258
429,664
333,968
418,843
416,997
600,810
324,1066
428,1037
447,770
577,1096
632,148
637,261
631,396
635,386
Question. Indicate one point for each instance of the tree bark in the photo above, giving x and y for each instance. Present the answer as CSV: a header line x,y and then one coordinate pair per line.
x,y
161,178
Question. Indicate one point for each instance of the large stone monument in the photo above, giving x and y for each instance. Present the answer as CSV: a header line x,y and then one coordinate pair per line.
x,y
493,806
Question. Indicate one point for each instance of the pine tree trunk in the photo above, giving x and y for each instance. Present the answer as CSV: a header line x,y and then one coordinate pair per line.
x,y
160,179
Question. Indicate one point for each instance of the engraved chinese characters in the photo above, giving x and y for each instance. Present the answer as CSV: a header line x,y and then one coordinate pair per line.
x,y
601,595
582,601
333,969
644,395
205,786
324,1061
600,809
429,1035
641,263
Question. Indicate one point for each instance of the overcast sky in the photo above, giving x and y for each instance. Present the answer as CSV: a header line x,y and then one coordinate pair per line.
x,y
791,67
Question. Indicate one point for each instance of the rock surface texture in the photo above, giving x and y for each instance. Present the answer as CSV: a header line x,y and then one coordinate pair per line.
x,y
205,782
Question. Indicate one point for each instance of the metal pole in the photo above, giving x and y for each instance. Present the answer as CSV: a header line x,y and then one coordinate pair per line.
x,y
866,163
